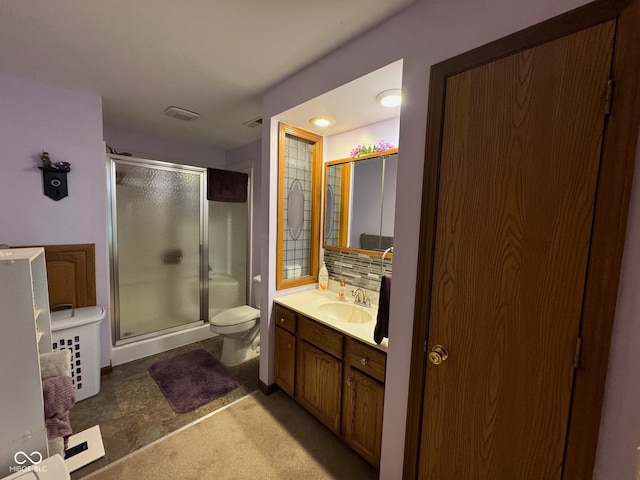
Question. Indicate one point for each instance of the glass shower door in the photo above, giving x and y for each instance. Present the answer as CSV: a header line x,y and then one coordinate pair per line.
x,y
158,212
227,256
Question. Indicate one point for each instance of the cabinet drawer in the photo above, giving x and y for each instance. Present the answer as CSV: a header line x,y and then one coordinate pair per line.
x,y
320,336
368,360
286,318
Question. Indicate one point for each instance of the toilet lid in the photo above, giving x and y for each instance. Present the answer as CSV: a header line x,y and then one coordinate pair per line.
x,y
236,316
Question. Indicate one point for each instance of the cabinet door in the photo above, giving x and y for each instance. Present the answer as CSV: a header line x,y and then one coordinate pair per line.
x,y
319,384
363,415
284,361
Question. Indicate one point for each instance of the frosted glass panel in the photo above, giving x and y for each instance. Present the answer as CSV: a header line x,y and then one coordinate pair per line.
x,y
296,237
227,256
158,248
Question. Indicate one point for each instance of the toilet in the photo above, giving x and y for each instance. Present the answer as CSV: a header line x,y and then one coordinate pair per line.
x,y
240,328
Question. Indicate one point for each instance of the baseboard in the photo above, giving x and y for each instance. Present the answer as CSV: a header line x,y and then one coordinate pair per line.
x,y
267,389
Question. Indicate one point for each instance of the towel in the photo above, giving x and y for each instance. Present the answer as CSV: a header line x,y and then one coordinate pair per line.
x,y
226,186
54,364
59,396
382,323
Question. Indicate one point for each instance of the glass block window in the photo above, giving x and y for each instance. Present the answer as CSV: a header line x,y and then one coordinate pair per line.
x,y
300,154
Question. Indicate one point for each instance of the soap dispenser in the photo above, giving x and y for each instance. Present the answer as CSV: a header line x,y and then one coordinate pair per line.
x,y
323,278
341,290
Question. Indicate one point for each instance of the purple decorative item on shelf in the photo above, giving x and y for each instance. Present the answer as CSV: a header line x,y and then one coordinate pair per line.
x,y
381,146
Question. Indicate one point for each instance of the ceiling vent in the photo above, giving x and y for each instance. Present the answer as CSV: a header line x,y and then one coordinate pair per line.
x,y
256,122
182,114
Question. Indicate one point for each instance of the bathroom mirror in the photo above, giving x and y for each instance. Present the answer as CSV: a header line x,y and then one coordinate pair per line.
x,y
360,196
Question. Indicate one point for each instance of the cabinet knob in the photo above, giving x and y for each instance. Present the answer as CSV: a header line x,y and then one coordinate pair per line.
x,y
364,361
289,345
282,320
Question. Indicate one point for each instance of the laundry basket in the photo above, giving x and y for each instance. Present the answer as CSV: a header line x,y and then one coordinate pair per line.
x,y
78,330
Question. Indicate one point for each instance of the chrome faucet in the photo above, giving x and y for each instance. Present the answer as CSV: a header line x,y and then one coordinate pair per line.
x,y
361,297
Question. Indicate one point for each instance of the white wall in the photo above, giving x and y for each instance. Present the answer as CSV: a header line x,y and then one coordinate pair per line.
x,y
36,117
422,35
243,157
339,146
144,145
620,424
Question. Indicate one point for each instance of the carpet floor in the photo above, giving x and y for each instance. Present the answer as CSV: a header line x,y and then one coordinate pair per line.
x,y
255,437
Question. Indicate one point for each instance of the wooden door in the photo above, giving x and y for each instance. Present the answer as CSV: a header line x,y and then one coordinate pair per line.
x,y
521,149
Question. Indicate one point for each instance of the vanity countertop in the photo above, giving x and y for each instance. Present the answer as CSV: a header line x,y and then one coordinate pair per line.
x,y
308,302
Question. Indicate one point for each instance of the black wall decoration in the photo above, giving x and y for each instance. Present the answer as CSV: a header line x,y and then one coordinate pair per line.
x,y
54,176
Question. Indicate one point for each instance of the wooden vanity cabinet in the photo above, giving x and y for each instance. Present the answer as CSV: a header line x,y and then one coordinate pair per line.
x,y
285,349
338,379
364,400
319,371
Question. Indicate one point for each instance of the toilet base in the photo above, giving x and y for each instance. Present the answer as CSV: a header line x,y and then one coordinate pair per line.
x,y
235,351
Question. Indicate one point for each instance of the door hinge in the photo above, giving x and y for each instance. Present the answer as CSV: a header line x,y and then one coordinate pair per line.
x,y
576,361
607,97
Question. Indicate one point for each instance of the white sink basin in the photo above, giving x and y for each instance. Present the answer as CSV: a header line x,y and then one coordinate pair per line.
x,y
345,312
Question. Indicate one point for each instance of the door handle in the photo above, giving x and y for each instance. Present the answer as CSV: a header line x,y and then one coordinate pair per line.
x,y
438,354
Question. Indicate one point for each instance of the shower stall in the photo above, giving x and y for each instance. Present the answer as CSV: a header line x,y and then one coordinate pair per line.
x,y
176,258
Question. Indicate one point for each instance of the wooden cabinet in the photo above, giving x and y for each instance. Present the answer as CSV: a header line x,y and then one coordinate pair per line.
x,y
26,332
364,399
338,379
319,384
285,349
284,359
319,371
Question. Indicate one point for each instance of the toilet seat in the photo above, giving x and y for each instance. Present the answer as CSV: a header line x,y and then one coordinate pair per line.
x,y
235,320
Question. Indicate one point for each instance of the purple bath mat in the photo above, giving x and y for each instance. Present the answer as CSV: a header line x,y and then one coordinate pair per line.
x,y
192,379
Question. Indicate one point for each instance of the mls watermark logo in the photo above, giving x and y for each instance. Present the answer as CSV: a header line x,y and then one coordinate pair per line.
x,y
28,462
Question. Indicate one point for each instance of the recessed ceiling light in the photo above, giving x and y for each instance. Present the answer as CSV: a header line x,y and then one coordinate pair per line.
x,y
390,98
322,121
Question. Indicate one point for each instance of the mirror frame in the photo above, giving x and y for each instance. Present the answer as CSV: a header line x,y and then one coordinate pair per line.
x,y
344,212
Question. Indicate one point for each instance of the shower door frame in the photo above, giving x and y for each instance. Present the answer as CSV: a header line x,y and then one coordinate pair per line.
x,y
203,282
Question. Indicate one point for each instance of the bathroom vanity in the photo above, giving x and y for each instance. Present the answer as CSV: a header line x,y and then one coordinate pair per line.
x,y
326,359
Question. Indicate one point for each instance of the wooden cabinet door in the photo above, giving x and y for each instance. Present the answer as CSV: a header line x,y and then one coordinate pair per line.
x,y
284,359
363,415
319,384
71,274
519,166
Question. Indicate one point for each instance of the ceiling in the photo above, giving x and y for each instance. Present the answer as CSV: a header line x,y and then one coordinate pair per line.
x,y
214,57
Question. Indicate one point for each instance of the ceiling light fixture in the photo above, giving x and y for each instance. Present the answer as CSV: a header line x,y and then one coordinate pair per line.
x,y
182,114
390,98
322,121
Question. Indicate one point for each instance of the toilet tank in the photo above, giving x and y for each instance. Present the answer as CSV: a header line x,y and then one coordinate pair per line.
x,y
256,290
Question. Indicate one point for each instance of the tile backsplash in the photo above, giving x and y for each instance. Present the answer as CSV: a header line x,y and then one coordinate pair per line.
x,y
358,269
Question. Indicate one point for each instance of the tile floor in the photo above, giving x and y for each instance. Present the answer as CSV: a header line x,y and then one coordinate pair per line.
x,y
132,411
